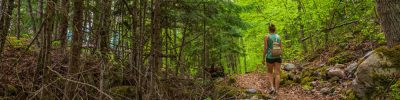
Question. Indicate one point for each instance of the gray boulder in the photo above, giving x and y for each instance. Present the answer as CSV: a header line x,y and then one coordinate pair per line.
x,y
251,91
293,76
340,66
288,67
325,90
314,83
351,69
376,67
335,72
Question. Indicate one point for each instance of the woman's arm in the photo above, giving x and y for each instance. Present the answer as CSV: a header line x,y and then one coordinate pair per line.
x,y
281,48
265,48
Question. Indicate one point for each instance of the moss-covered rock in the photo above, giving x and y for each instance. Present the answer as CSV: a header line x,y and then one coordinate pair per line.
x,y
375,72
393,55
228,91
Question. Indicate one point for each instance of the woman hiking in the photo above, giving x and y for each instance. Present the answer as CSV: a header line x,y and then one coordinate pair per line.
x,y
272,55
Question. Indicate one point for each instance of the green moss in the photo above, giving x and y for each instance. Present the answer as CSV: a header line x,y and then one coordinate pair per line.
x,y
349,95
56,43
307,72
341,58
307,87
283,75
306,81
229,91
395,90
17,43
393,54
288,82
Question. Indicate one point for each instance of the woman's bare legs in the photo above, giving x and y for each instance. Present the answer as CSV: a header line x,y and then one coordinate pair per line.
x,y
277,75
270,74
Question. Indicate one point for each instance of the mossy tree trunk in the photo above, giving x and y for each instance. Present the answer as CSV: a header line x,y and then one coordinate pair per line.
x,y
389,15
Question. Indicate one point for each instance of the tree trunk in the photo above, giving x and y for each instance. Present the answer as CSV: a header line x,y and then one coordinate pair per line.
x,y
63,29
389,15
104,32
17,29
5,18
40,18
156,41
44,55
32,16
300,11
76,46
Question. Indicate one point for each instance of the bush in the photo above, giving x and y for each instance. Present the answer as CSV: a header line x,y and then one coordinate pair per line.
x,y
395,90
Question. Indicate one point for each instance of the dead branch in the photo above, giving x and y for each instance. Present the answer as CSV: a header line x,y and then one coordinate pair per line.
x,y
78,82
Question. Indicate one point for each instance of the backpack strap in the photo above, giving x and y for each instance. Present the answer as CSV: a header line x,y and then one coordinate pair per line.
x,y
276,37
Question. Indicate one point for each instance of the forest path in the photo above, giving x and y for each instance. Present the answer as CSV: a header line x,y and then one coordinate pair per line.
x,y
259,81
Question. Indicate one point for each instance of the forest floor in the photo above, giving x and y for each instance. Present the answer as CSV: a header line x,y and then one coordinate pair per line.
x,y
259,81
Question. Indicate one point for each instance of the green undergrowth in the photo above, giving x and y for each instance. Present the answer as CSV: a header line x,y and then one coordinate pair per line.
x,y
310,74
224,88
395,90
21,43
341,58
349,95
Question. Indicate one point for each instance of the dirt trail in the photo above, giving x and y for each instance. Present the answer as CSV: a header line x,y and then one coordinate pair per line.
x,y
259,82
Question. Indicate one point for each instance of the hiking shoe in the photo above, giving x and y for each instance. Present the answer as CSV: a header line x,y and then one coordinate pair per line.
x,y
272,90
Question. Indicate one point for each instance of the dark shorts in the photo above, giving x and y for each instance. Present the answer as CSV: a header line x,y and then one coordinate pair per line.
x,y
270,61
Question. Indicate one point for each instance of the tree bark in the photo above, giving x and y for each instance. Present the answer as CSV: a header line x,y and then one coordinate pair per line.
x,y
156,41
389,15
63,29
300,10
44,55
32,16
104,32
7,8
76,46
17,29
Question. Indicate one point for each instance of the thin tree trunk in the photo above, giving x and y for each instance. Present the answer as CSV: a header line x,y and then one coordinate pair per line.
x,y
64,22
18,31
104,33
300,11
76,47
389,11
40,18
156,37
205,56
44,55
5,22
32,16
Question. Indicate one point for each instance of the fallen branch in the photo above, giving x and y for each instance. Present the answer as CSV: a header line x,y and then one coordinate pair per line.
x,y
41,89
329,29
70,80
